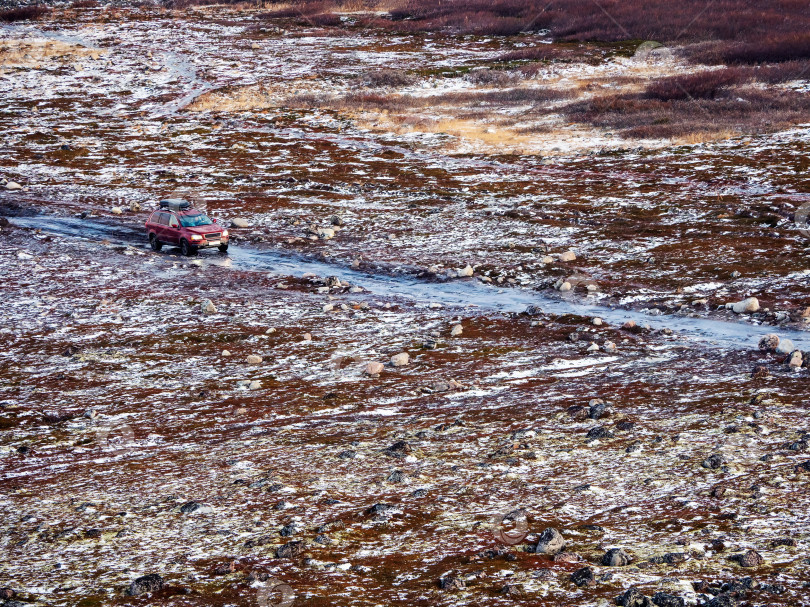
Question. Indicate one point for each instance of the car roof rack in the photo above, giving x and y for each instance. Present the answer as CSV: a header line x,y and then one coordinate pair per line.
x,y
175,204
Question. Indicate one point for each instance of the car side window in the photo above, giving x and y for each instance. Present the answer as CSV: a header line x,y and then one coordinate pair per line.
x,y
173,223
164,219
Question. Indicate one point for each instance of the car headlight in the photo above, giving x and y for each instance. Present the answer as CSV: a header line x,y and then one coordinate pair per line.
x,y
224,232
196,237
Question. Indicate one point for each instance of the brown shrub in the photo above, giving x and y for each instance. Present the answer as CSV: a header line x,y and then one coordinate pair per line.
x,y
488,77
22,13
703,85
387,78
774,49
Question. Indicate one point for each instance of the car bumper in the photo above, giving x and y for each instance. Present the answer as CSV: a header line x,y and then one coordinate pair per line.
x,y
207,244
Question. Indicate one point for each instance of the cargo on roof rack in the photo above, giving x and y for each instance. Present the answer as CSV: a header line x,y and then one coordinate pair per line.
x,y
175,204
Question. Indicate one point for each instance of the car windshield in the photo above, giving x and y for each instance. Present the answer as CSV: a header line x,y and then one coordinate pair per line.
x,y
195,219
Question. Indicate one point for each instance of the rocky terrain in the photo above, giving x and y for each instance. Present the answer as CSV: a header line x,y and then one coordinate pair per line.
x,y
463,351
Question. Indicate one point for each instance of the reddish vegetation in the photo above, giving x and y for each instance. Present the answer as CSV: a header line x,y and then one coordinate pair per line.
x,y
774,30
677,115
729,31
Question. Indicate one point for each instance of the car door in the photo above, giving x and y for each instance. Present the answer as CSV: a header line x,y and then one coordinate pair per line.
x,y
173,229
162,223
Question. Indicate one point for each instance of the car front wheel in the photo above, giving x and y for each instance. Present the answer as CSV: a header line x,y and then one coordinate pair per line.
x,y
155,243
223,248
186,249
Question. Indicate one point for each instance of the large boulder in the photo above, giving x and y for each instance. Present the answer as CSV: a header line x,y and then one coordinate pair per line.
x,y
749,305
550,542
400,360
146,583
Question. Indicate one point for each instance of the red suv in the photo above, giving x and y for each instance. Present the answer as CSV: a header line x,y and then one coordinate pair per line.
x,y
176,223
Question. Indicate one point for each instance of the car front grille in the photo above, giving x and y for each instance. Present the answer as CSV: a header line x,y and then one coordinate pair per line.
x,y
215,236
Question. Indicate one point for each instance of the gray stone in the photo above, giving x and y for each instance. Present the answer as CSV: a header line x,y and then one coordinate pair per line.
x,y
207,307
748,305
616,557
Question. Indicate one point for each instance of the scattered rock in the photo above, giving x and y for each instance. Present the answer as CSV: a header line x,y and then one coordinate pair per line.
x,y
226,353
633,598
760,372
597,322
374,368
240,222
191,507
13,186
456,330
598,432
400,360
290,550
513,591
785,347
146,583
752,558
442,385
254,359
451,582
578,412
596,408
796,359
746,306
723,601
583,577
803,467
466,271
7,593
550,542
662,599
399,449
566,557
568,256
616,557
713,462
396,476
134,207
116,211
769,342
207,307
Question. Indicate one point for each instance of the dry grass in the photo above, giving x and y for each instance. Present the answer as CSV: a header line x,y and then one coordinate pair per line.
x,y
32,52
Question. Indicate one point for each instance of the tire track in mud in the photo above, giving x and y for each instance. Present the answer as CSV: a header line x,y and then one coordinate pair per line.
x,y
469,293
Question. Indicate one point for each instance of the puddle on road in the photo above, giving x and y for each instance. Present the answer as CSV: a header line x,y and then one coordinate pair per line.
x,y
459,293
